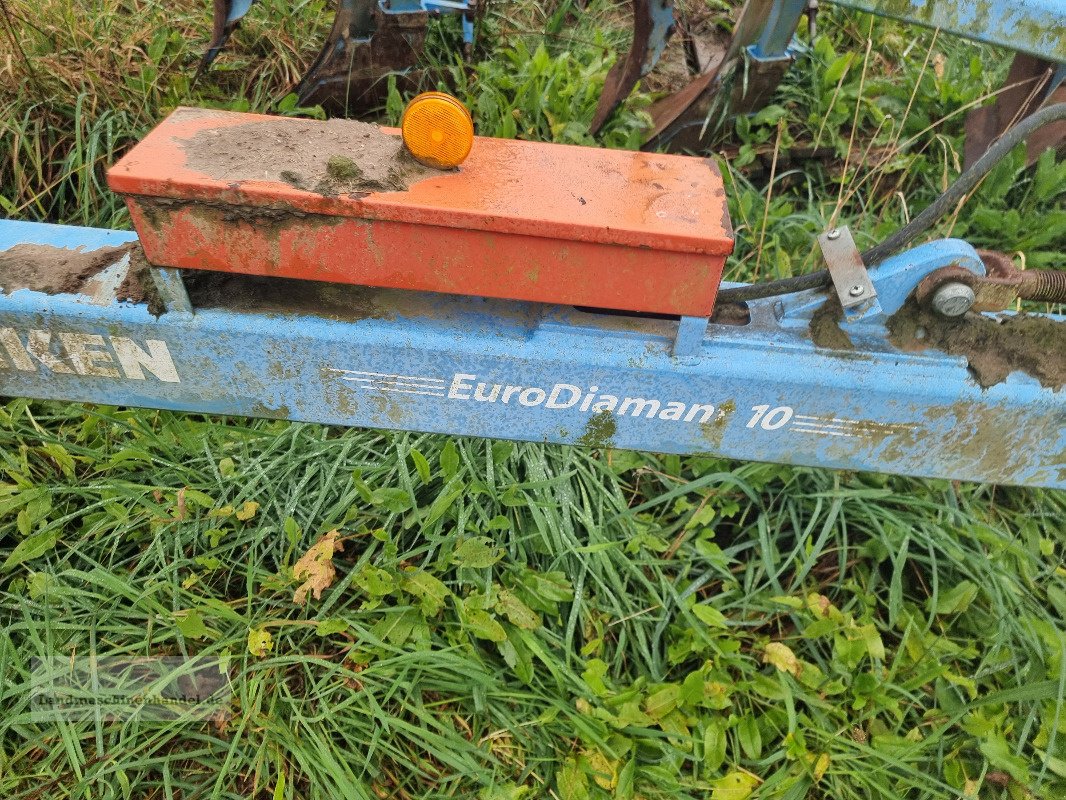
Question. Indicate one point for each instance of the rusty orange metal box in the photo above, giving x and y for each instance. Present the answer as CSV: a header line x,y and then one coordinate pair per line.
x,y
519,220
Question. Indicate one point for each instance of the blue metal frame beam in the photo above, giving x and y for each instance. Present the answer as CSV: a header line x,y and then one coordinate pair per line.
x,y
468,366
1037,27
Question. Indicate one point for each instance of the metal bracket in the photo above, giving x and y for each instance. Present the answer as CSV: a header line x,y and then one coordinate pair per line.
x,y
170,288
690,333
856,291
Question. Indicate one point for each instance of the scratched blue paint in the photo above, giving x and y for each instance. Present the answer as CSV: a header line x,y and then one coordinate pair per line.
x,y
775,41
1037,27
877,409
438,6
237,10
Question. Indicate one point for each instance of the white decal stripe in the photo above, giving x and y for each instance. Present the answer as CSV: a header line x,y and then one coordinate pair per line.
x,y
389,375
836,422
400,391
384,382
823,431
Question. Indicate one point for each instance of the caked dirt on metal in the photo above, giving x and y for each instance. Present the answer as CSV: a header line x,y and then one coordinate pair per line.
x,y
825,326
55,270
331,158
138,286
993,346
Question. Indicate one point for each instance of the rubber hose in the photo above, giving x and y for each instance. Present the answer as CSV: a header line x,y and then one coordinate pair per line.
x,y
962,186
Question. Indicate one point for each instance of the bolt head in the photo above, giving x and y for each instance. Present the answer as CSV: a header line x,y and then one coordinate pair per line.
x,y
833,235
856,291
953,299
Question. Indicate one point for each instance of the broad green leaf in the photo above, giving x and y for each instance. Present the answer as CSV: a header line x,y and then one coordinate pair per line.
x,y
449,460
516,611
28,549
662,702
573,784
484,626
714,745
626,781
375,581
957,599
428,589
421,465
260,642
477,553
709,615
191,624
734,786
749,736
594,674
550,586
328,627
1001,756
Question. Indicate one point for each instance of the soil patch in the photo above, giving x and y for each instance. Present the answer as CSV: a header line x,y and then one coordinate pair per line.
x,y
993,346
335,157
54,270
252,293
138,286
825,326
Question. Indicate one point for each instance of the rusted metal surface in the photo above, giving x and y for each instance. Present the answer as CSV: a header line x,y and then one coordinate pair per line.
x,y
364,46
368,41
679,120
653,25
854,289
1028,87
632,231
759,56
1001,286
226,15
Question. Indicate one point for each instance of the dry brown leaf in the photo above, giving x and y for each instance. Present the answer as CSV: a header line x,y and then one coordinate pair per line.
x,y
315,568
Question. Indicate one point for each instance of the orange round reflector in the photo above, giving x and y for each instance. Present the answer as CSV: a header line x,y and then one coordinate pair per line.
x,y
438,130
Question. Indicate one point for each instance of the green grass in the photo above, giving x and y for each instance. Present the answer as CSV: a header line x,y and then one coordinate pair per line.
x,y
515,621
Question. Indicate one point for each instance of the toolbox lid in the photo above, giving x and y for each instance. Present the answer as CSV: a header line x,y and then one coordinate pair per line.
x,y
648,200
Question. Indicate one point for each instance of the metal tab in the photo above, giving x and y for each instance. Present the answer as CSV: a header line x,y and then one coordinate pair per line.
x,y
854,287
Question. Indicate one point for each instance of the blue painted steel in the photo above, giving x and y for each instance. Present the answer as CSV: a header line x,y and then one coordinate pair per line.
x,y
662,18
1037,27
439,6
894,280
237,9
468,366
775,41
690,333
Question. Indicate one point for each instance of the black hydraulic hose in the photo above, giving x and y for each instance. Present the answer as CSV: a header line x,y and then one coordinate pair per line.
x,y
962,186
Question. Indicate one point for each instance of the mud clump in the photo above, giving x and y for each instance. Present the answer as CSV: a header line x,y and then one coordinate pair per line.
x,y
54,270
825,326
993,346
138,286
235,292
330,158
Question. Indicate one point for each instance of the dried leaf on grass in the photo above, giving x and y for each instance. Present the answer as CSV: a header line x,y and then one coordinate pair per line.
x,y
315,568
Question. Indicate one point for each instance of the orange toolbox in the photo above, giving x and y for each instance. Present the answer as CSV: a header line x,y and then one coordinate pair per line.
x,y
337,201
